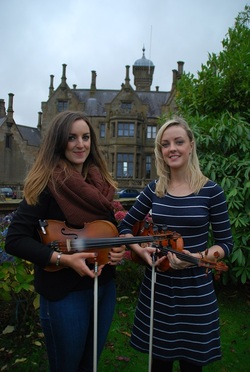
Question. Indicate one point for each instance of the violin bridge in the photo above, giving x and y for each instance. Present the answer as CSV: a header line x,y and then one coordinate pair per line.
x,y
68,245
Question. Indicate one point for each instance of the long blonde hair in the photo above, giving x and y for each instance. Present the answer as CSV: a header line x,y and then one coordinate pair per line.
x,y
195,177
52,152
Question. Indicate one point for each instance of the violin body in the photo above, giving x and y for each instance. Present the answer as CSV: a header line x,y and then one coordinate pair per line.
x,y
174,243
60,237
172,240
97,236
101,236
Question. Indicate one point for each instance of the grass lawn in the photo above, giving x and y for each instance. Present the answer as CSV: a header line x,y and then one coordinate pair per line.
x,y
235,338
22,351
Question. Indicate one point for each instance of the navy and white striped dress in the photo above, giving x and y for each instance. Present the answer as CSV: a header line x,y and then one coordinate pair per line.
x,y
186,316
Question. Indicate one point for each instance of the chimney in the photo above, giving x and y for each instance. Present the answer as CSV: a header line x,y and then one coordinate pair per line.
x,y
2,108
175,74
127,79
10,111
93,83
51,87
63,80
39,124
180,68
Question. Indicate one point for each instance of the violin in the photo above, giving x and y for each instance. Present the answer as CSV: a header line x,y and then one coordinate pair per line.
x,y
97,236
175,244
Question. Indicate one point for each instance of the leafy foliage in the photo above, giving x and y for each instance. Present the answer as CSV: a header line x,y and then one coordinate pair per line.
x,y
16,280
223,84
224,159
216,105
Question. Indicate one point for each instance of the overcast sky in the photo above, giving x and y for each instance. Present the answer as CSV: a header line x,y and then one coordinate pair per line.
x,y
38,36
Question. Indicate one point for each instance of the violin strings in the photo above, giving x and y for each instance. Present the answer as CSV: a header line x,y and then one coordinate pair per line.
x,y
83,244
183,256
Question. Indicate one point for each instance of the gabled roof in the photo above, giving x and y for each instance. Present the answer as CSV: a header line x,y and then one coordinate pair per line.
x,y
155,101
95,103
29,134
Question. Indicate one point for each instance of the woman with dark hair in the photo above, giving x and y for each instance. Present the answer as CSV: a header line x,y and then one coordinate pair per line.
x,y
69,182
186,317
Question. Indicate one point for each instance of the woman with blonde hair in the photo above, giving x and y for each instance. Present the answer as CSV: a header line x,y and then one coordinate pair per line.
x,y
183,200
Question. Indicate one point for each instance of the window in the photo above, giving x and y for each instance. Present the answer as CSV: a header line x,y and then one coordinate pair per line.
x,y
151,131
102,130
125,165
126,105
113,129
148,166
8,141
126,129
62,106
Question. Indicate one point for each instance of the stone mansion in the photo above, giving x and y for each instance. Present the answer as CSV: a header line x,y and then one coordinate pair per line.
x,y
125,121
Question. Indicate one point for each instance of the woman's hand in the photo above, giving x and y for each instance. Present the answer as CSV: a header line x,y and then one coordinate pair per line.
x,y
145,253
77,262
177,264
116,255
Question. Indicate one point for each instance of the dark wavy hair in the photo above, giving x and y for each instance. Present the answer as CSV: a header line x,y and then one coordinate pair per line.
x,y
52,153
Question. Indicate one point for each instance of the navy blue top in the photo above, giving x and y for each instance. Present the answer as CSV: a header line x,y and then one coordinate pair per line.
x,y
186,318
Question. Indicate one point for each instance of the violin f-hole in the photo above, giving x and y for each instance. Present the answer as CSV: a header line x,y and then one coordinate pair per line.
x,y
70,235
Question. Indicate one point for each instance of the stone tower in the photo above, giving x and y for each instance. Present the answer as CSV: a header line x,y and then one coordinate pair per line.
x,y
143,70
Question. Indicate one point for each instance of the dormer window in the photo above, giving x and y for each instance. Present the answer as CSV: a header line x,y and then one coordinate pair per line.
x,y
126,106
62,106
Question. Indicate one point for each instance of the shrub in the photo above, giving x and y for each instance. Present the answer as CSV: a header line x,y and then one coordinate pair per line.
x,y
16,279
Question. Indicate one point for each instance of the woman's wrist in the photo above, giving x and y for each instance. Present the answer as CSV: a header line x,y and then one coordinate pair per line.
x,y
200,255
58,259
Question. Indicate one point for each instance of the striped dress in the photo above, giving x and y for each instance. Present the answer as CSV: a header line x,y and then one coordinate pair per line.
x,y
186,316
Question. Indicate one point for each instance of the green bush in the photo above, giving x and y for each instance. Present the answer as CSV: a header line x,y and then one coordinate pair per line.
x,y
16,280
216,105
222,147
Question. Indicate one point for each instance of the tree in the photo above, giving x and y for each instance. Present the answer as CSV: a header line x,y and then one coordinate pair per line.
x,y
223,84
216,104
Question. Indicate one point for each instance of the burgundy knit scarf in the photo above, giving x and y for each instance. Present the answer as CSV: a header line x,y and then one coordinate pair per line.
x,y
82,200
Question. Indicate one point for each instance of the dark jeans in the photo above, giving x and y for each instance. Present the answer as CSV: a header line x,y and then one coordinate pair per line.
x,y
68,328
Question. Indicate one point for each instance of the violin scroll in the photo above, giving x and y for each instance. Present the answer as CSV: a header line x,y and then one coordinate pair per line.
x,y
217,266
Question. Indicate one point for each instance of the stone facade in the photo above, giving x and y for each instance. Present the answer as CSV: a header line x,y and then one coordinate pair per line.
x,y
125,120
19,145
